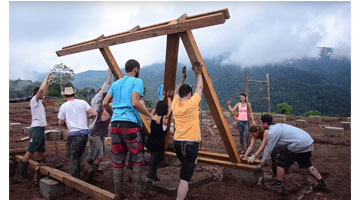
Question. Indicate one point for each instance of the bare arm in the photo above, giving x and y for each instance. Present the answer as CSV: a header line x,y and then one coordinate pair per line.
x,y
135,102
199,80
169,95
263,144
106,103
251,113
61,122
43,87
183,77
234,108
251,146
91,113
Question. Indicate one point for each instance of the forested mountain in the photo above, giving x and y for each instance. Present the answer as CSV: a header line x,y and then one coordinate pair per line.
x,y
306,84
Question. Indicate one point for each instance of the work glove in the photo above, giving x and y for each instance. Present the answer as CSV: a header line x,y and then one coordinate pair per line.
x,y
259,167
251,159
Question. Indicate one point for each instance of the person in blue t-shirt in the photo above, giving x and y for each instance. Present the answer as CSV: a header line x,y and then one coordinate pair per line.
x,y
126,123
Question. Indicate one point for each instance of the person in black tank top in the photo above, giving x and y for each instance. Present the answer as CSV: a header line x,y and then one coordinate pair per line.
x,y
156,140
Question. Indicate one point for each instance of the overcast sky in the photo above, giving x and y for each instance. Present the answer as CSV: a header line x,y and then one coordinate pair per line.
x,y
256,33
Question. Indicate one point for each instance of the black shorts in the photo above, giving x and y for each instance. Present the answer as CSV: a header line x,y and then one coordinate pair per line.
x,y
187,152
37,139
287,158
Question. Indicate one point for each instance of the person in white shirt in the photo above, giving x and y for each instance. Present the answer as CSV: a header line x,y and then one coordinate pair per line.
x,y
75,113
37,129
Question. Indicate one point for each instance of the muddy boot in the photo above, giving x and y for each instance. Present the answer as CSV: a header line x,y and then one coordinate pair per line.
x,y
119,183
95,167
21,172
89,174
156,178
147,189
137,182
322,187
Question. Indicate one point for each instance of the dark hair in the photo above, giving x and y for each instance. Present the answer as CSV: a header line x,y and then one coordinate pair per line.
x,y
131,64
68,96
35,90
243,94
267,119
185,90
257,129
161,108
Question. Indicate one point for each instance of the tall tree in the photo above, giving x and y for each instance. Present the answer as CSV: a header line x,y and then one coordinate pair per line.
x,y
62,77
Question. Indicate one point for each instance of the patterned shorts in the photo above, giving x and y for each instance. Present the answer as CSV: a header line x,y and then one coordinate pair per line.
x,y
126,137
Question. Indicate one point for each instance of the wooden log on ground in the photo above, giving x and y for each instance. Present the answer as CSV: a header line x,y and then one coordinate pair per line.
x,y
223,163
67,179
222,156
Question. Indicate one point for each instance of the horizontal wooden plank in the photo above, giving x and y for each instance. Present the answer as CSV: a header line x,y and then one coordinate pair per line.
x,y
67,179
222,156
224,163
47,148
147,32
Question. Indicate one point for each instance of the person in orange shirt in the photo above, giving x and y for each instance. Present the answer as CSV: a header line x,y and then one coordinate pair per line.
x,y
185,107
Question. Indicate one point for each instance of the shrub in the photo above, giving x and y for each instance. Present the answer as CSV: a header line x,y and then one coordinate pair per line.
x,y
312,112
284,108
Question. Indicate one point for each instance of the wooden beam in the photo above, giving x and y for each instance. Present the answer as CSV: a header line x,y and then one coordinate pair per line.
x,y
111,62
47,148
225,11
67,179
115,69
224,163
222,156
211,97
136,28
147,32
171,61
182,18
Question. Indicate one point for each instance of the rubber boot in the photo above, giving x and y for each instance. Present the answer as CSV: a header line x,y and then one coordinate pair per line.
x,y
147,189
137,182
20,172
119,183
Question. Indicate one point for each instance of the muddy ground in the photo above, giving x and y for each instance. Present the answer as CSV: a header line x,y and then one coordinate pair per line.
x,y
331,156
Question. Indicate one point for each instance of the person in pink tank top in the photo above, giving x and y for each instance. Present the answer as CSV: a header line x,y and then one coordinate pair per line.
x,y
243,108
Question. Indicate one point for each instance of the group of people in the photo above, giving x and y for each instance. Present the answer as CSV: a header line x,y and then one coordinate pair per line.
x,y
121,104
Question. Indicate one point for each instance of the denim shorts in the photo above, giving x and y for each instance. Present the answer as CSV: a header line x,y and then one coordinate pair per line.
x,y
96,147
187,152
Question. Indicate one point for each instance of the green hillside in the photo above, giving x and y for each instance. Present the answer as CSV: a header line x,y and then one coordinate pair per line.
x,y
306,84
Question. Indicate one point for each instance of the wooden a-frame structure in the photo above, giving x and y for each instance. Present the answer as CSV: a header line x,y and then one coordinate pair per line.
x,y
175,29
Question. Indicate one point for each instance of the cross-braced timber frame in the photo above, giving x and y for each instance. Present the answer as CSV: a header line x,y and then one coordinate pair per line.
x,y
174,29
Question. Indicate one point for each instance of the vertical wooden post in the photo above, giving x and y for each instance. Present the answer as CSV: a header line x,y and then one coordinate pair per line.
x,y
111,62
246,84
211,97
268,91
172,51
